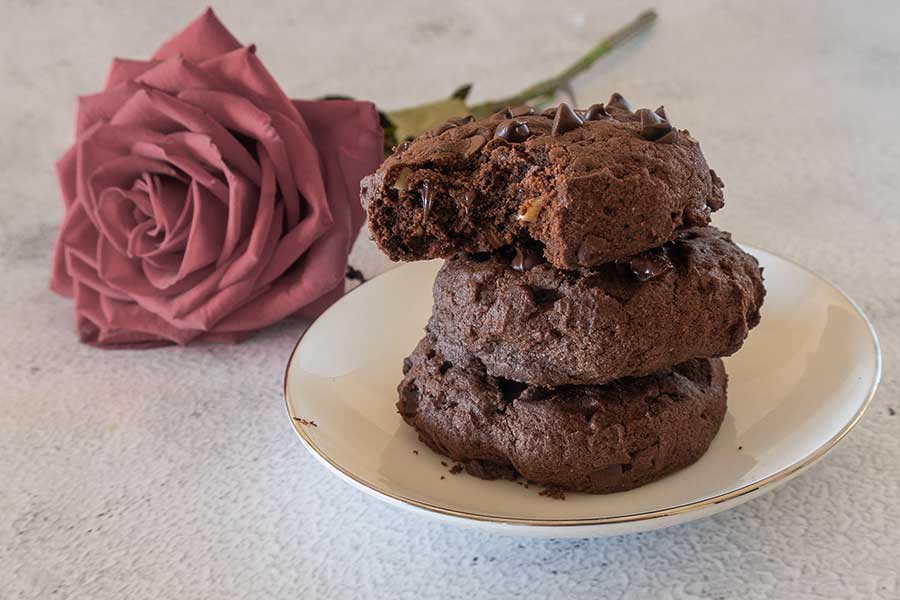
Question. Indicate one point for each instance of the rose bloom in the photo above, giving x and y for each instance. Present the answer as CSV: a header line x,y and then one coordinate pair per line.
x,y
201,203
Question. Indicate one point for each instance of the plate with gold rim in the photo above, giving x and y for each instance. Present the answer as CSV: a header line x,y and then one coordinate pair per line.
x,y
802,380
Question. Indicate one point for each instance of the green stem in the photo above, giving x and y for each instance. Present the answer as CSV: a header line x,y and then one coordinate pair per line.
x,y
549,86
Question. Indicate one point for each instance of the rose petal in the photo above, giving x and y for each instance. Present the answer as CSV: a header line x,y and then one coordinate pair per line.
x,y
192,153
203,305
204,38
124,70
262,227
338,127
243,198
60,281
246,76
240,115
116,217
84,271
93,108
175,74
203,244
351,131
155,110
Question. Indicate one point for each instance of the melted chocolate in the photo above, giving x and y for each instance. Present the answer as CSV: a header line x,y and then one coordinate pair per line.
x,y
526,259
653,127
426,193
595,112
648,265
513,131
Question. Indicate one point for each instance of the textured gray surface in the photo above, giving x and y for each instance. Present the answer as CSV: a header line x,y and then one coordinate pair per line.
x,y
174,473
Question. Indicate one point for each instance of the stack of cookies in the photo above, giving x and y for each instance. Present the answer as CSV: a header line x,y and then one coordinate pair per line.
x,y
585,301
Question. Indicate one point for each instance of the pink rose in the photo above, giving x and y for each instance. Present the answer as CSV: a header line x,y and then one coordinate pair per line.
x,y
201,202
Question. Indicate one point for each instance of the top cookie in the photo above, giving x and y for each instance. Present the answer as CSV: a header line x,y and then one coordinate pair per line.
x,y
592,186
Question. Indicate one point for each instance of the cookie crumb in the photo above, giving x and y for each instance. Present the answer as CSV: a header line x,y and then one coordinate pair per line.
x,y
415,452
442,477
303,421
740,447
455,469
444,463
553,492
891,411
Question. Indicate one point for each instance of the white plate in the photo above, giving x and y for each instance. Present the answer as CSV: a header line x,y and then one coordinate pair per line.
x,y
800,383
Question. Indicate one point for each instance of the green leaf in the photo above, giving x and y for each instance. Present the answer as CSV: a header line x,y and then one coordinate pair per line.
x,y
410,122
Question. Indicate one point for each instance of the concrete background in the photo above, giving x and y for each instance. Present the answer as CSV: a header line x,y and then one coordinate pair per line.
x,y
174,472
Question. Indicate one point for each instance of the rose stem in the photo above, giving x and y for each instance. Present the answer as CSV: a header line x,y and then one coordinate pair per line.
x,y
549,86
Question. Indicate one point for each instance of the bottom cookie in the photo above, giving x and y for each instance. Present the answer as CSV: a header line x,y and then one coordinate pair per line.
x,y
596,439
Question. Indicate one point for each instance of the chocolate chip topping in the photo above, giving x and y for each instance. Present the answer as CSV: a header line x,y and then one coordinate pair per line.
x,y
402,146
596,112
549,112
513,131
565,120
653,126
526,258
669,138
500,115
409,398
618,101
521,111
648,265
426,193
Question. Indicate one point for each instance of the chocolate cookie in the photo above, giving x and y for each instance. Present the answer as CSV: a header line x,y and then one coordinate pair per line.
x,y
697,296
596,439
591,186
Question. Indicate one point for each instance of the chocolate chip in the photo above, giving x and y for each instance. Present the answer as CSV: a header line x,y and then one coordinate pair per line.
x,y
526,259
500,115
669,138
590,251
618,101
648,265
402,146
521,111
653,127
475,143
550,112
565,120
426,193
407,365
513,131
661,111
409,399
596,112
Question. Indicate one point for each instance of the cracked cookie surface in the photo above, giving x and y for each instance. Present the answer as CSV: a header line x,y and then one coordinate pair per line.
x,y
529,322
596,439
